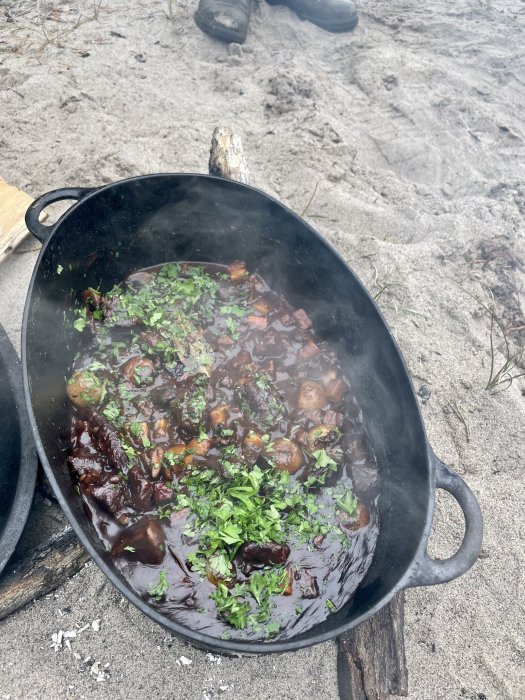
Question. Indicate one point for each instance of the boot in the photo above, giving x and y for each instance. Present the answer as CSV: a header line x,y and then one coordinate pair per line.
x,y
226,20
332,15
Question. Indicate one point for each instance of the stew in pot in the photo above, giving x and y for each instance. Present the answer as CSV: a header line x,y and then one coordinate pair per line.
x,y
220,452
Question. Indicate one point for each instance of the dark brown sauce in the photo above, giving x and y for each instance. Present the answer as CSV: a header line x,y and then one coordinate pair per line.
x,y
224,362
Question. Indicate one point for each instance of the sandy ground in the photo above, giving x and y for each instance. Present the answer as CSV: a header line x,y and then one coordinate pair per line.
x,y
412,130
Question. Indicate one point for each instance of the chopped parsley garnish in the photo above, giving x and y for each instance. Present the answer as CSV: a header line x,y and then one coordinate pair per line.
x,y
158,590
348,502
112,411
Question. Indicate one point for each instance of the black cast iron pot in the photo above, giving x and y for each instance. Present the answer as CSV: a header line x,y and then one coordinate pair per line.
x,y
18,461
148,220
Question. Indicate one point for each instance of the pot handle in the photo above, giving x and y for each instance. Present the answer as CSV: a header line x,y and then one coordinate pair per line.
x,y
428,571
36,208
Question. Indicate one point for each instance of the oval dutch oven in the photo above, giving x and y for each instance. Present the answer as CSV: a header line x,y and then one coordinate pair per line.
x,y
144,221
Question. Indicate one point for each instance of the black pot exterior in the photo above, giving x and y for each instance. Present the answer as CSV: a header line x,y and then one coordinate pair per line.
x,y
153,219
18,460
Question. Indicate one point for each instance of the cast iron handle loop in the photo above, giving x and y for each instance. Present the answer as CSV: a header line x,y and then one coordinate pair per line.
x,y
35,209
428,571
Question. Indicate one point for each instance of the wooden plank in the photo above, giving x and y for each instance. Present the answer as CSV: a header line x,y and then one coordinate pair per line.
x,y
13,205
371,663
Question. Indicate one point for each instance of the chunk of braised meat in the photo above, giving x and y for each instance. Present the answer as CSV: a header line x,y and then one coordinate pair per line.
x,y
269,344
308,585
333,418
302,319
105,435
257,322
336,389
162,493
263,554
286,455
88,468
309,351
257,397
141,489
115,314
190,410
113,498
139,371
144,541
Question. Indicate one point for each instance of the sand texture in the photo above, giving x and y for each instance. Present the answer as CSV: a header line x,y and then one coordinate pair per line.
x,y
405,143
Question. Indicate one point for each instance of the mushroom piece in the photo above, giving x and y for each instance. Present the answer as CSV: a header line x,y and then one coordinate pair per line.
x,y
139,371
321,436
216,568
85,389
288,581
253,441
262,306
287,456
237,270
219,415
197,447
174,457
357,521
144,541
160,429
155,461
311,395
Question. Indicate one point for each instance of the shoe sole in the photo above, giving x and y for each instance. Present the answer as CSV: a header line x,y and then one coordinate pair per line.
x,y
229,36
329,27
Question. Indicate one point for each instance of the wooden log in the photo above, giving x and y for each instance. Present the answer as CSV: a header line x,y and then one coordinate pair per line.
x,y
227,156
371,663
41,571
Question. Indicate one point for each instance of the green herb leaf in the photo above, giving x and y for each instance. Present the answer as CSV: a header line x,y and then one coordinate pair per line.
x,y
158,590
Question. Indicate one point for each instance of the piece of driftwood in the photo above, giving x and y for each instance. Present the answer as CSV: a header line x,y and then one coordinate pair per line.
x,y
13,205
371,663
227,156
41,571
